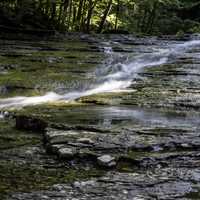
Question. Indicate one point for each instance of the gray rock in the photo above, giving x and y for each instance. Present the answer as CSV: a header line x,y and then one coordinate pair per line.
x,y
83,184
85,141
66,153
115,185
106,161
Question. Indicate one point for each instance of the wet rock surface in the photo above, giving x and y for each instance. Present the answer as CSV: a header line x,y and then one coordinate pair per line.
x,y
119,186
142,143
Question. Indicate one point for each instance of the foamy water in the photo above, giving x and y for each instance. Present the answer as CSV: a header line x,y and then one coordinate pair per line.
x,y
111,78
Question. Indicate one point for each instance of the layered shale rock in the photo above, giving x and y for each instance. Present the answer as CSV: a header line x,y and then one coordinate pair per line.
x,y
142,143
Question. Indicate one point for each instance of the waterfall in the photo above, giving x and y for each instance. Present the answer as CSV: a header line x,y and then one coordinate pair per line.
x,y
112,77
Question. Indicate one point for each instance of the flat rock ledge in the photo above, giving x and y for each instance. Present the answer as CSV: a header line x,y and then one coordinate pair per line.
x,y
139,147
127,186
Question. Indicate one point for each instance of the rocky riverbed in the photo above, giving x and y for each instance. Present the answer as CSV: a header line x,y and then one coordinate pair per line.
x,y
139,142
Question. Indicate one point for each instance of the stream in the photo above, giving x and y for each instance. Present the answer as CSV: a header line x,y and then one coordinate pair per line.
x,y
115,76
100,117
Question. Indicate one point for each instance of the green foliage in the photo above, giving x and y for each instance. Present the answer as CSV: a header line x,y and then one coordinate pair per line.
x,y
180,33
141,16
195,29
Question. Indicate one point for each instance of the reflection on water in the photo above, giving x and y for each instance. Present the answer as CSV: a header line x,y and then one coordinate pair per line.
x,y
107,117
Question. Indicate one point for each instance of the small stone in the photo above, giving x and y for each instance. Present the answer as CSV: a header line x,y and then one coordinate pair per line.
x,y
106,161
51,133
85,141
185,145
124,191
44,197
82,184
157,148
66,153
77,184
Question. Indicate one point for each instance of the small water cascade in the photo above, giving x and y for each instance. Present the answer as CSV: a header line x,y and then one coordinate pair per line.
x,y
111,77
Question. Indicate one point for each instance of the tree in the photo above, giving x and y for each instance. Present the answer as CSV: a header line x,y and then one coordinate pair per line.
x,y
138,16
105,14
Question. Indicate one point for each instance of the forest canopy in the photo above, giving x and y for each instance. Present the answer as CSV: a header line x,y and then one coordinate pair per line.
x,y
151,17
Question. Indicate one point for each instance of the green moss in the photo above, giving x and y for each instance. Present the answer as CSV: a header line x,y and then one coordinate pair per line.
x,y
25,178
21,176
40,67
194,195
11,138
125,167
136,154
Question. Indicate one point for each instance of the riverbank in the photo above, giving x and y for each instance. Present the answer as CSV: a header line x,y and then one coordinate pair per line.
x,y
137,142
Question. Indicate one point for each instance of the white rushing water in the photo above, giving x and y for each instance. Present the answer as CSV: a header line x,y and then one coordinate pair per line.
x,y
113,77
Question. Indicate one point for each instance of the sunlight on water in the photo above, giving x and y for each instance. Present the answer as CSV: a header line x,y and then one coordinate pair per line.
x,y
25,101
111,78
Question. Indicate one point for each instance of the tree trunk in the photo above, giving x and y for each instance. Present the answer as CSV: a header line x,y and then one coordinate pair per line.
x,y
60,12
144,19
69,14
152,17
74,16
106,13
47,8
89,14
53,9
65,11
117,13
79,13
83,16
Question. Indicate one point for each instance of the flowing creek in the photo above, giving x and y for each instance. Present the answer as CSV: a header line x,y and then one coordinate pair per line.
x,y
112,77
117,116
